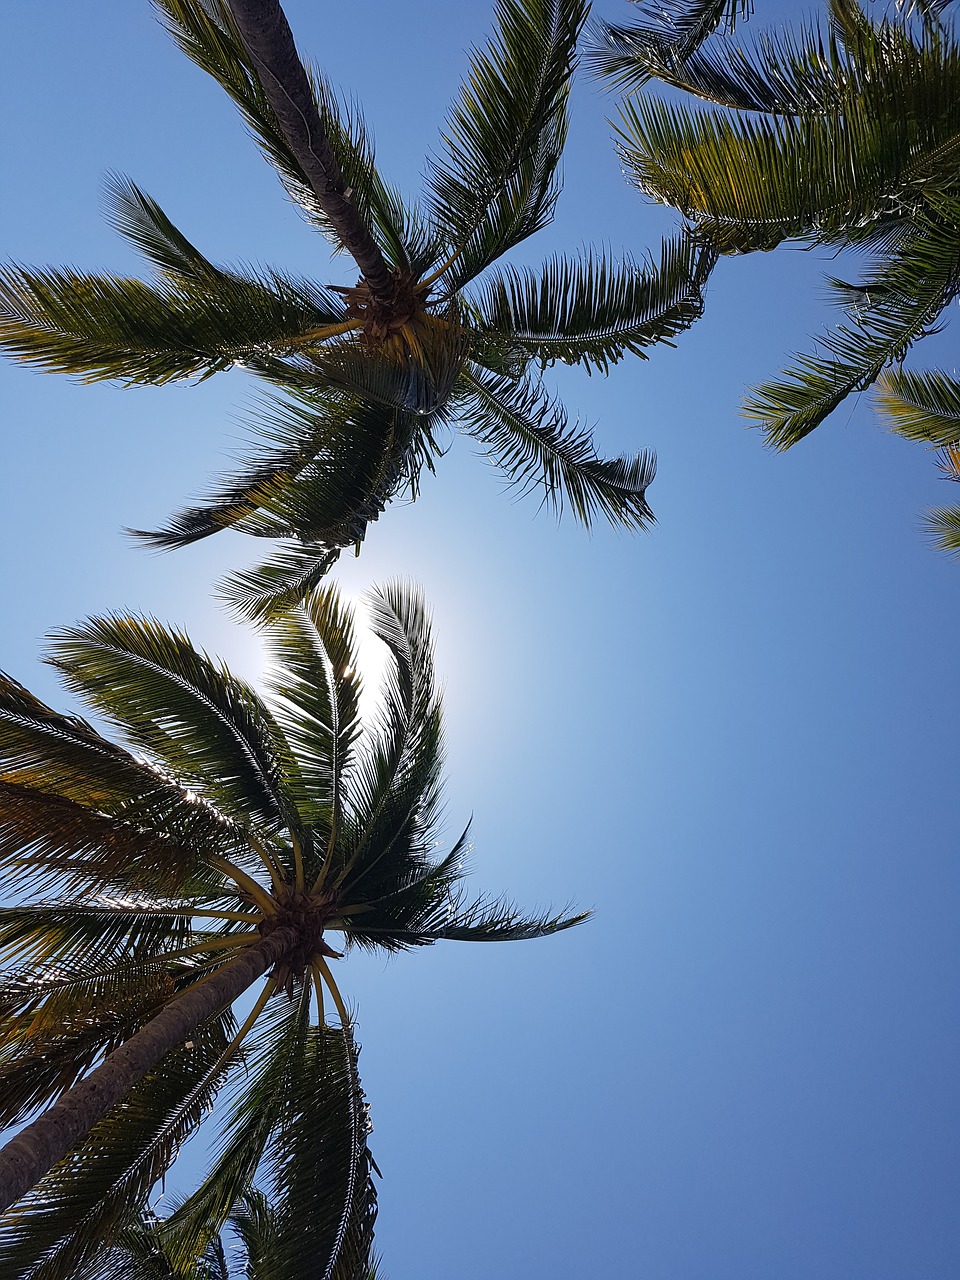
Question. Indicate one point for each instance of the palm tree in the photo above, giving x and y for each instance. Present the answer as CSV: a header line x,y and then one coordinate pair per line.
x,y
848,140
223,845
432,335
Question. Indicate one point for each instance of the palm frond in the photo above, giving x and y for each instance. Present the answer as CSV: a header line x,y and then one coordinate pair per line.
x,y
395,781
944,524
280,582
664,39
50,840
594,311
921,405
254,1221
318,687
531,440
206,725
319,1168
141,221
106,327
336,464
494,184
96,930
907,294
883,155
64,756
391,916
255,1105
484,920
799,72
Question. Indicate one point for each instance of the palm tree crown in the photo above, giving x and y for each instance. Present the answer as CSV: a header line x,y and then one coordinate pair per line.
x,y
849,139
432,335
227,842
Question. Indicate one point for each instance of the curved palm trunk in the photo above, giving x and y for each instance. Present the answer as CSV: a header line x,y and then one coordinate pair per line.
x,y
37,1148
269,42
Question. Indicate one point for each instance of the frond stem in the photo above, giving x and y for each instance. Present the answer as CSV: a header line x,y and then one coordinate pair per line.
x,y
325,331
318,990
320,964
247,883
268,860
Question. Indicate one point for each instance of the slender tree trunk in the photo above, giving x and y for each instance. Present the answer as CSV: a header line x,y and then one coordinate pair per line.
x,y
38,1147
269,42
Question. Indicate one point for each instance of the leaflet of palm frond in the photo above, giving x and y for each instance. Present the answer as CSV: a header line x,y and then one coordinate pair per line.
x,y
531,440
102,326
494,183
318,1167
84,1202
594,311
254,1098
921,405
665,39
911,292
838,178
205,31
174,702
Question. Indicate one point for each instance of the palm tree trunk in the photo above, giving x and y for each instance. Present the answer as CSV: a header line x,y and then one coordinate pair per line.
x,y
38,1147
268,40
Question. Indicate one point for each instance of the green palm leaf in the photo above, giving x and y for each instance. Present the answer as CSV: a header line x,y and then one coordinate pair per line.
x,y
318,1167
531,440
494,184
593,311
883,152
318,686
48,840
902,300
921,405
173,701
664,39
98,327
255,1104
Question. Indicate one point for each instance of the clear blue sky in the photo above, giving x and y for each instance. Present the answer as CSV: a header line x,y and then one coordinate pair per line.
x,y
734,738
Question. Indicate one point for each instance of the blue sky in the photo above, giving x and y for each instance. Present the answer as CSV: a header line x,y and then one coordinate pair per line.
x,y
732,737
